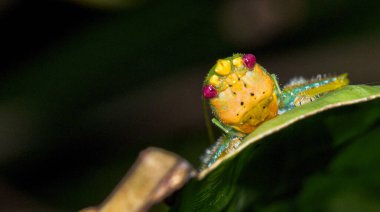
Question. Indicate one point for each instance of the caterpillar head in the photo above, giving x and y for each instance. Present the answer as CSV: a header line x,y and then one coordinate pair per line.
x,y
241,93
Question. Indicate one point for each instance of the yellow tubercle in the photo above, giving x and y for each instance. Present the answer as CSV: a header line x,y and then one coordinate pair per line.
x,y
214,80
232,79
223,67
238,62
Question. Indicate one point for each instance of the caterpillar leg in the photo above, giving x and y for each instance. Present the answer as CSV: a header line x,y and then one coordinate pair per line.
x,y
225,144
277,89
304,99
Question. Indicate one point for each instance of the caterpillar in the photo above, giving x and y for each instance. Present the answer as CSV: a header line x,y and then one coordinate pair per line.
x,y
242,95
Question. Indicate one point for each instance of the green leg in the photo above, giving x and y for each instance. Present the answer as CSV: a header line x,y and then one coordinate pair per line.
x,y
278,89
221,126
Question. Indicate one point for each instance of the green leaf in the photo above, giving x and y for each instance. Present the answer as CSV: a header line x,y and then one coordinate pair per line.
x,y
321,156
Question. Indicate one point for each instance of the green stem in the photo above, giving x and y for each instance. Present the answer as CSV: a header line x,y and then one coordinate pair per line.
x,y
220,125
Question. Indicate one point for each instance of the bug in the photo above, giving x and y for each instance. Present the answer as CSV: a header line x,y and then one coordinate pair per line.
x,y
242,95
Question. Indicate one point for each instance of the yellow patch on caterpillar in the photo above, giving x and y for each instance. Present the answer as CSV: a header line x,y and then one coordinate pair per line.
x,y
223,67
232,79
214,80
238,62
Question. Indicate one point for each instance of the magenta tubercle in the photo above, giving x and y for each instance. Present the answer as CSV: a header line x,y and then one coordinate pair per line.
x,y
249,60
209,91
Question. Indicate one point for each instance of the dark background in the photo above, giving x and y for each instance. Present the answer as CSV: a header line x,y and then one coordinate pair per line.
x,y
86,84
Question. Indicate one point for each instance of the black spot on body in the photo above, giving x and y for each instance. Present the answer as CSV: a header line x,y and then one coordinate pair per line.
x,y
241,103
252,94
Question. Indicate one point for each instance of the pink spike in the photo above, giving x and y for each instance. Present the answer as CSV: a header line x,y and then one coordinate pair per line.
x,y
249,60
209,92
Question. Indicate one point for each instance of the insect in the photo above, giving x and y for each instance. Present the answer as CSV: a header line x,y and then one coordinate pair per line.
x,y
242,95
